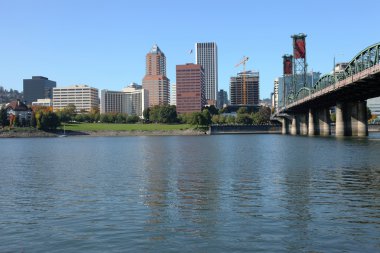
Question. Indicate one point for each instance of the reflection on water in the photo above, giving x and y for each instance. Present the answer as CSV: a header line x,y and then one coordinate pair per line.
x,y
231,193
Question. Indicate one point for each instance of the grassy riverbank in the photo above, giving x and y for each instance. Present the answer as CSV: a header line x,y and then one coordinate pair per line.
x,y
104,129
80,127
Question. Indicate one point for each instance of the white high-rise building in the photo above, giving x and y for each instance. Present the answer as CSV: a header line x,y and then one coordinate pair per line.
x,y
173,94
132,100
83,97
206,54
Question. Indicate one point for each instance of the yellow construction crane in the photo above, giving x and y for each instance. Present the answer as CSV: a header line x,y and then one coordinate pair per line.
x,y
243,61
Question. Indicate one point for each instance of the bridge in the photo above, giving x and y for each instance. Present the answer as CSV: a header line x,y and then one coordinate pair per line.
x,y
307,111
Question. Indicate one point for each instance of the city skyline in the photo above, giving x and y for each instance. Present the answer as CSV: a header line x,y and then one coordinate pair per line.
x,y
101,46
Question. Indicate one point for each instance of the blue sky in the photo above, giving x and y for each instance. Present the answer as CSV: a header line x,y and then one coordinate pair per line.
x,y
104,43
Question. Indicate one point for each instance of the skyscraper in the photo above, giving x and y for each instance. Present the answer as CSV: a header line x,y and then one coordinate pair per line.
x,y
252,84
190,84
155,80
206,54
38,87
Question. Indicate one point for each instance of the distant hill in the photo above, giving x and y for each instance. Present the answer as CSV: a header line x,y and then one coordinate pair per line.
x,y
7,96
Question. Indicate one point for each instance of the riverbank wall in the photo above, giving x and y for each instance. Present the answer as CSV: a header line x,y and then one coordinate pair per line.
x,y
244,129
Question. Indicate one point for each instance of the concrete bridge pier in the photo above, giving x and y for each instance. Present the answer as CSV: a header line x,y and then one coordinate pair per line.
x,y
351,119
339,122
324,122
353,109
285,126
362,118
293,128
303,124
311,124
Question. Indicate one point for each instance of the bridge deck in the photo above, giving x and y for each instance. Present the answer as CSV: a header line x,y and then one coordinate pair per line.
x,y
360,86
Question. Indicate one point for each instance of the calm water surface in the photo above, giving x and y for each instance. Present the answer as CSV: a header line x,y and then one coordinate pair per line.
x,y
231,193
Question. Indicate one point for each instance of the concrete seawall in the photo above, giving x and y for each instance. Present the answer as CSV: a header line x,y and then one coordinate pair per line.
x,y
245,129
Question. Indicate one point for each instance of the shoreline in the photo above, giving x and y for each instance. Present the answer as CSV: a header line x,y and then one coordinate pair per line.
x,y
102,133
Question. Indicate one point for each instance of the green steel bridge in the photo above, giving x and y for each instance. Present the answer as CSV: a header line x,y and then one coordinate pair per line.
x,y
348,90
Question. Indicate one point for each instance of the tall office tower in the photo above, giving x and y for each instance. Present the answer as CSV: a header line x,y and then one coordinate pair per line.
x,y
190,88
252,84
83,97
206,54
38,87
155,80
132,100
173,94
222,98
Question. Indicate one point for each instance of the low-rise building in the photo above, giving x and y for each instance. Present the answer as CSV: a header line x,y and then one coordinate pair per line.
x,y
43,102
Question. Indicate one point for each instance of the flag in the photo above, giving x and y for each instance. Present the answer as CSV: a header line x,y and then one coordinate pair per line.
x,y
191,51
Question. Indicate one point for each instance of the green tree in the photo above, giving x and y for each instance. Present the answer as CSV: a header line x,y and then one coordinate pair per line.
x,y
163,114
70,111
215,119
146,113
369,113
168,114
242,110
207,117
79,118
132,119
3,117
264,113
17,122
48,121
256,118
212,109
230,119
33,122
121,118
243,118
333,117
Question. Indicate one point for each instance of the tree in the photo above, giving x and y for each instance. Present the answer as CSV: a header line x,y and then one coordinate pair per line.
x,y
33,122
3,117
230,119
168,114
70,111
244,118
212,109
163,114
215,119
333,117
146,113
207,117
49,121
132,119
264,113
242,110
121,118
369,113
256,118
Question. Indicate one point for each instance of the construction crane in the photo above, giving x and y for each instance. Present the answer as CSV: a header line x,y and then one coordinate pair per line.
x,y
243,61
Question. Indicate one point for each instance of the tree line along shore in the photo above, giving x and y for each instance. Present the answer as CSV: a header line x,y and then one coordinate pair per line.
x,y
158,120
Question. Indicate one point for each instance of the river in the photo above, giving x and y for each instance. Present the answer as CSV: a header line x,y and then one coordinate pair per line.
x,y
226,193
